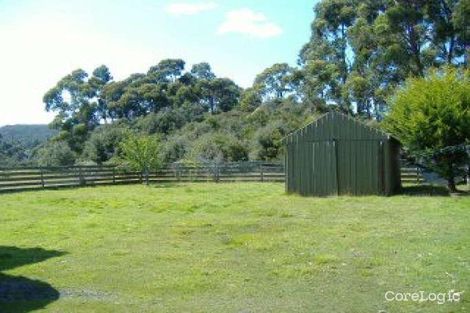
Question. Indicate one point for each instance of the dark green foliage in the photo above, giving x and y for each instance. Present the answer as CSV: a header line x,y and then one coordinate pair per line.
x,y
250,100
167,70
18,142
104,142
55,153
218,147
175,149
267,142
12,153
276,82
79,104
27,135
218,95
202,71
163,122
361,50
159,102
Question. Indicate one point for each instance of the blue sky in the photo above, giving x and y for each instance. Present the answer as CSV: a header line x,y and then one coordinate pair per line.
x,y
44,40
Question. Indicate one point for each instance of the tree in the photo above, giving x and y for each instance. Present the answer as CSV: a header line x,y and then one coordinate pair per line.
x,y
218,95
276,81
460,19
250,100
100,78
141,153
55,153
12,153
202,71
164,122
79,105
218,147
104,142
122,98
168,70
329,44
361,50
432,113
267,141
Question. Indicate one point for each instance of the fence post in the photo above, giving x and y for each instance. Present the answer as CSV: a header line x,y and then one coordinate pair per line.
x,y
114,175
81,177
216,173
42,178
261,172
147,177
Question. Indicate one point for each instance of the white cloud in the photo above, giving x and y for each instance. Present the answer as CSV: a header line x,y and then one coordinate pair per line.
x,y
183,8
246,21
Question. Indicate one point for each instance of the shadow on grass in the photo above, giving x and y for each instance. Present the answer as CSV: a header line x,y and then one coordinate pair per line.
x,y
425,190
20,294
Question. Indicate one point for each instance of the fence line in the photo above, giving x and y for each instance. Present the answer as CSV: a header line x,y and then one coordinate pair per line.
x,y
36,178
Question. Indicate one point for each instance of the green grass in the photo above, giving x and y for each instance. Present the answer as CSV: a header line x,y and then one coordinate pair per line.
x,y
231,248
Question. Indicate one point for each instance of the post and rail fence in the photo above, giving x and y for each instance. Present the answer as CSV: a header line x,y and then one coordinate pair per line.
x,y
36,178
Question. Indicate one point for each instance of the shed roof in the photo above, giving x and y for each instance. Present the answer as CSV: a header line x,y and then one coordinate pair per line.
x,y
339,126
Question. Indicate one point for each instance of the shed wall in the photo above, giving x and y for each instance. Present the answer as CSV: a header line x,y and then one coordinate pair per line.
x,y
337,155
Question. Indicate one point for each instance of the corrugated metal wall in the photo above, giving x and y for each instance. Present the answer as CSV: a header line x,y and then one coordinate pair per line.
x,y
338,155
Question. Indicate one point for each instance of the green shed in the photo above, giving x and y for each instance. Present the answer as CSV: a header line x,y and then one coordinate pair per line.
x,y
339,155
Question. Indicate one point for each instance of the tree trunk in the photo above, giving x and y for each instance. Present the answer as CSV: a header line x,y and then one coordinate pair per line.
x,y
451,184
468,174
450,56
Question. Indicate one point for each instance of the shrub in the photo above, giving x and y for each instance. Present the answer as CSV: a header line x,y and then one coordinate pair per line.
x,y
433,113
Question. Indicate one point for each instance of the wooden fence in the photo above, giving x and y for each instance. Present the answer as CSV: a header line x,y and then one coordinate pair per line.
x,y
411,175
34,178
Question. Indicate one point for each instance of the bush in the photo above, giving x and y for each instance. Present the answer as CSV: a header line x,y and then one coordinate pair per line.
x,y
433,113
104,143
141,153
55,153
218,147
267,142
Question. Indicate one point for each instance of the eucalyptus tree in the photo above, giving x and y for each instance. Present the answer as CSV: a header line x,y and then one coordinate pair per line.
x,y
275,82
77,100
361,50
168,70
326,56
202,71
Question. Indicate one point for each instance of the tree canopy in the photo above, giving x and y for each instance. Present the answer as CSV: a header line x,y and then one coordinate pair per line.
x,y
359,54
361,50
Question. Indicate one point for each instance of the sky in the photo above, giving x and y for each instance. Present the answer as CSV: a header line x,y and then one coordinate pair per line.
x,y
42,41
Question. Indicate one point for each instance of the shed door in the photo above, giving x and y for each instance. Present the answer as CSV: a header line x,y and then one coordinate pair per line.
x,y
360,167
324,169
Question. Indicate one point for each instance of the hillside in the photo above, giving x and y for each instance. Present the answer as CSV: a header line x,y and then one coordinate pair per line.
x,y
27,135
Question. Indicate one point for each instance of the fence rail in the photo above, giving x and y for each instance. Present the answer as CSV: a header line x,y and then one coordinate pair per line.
x,y
411,175
36,178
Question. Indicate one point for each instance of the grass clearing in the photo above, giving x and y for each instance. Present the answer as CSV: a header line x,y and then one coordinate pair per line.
x,y
244,247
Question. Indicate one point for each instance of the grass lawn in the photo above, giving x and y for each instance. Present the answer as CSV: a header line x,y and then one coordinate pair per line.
x,y
228,248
